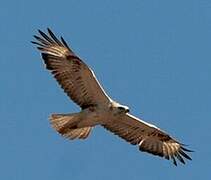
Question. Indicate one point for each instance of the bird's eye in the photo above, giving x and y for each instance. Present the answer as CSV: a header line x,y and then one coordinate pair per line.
x,y
121,108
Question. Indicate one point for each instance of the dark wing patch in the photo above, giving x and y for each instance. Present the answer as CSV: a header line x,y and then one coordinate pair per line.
x,y
74,76
149,138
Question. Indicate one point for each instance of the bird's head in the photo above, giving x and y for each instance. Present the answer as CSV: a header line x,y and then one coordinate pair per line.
x,y
114,106
124,109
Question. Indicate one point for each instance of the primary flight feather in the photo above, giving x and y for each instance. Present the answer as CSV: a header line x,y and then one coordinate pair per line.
x,y
97,108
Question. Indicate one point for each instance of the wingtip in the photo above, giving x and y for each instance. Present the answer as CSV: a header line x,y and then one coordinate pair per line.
x,y
183,147
180,158
187,150
40,31
36,43
36,37
174,160
42,34
184,154
49,30
65,44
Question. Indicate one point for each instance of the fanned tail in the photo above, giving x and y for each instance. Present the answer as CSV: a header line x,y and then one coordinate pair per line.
x,y
66,125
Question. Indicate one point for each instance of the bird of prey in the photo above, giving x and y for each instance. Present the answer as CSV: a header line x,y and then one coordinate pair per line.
x,y
80,83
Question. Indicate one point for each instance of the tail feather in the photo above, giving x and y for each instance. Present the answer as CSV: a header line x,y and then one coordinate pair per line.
x,y
80,133
66,125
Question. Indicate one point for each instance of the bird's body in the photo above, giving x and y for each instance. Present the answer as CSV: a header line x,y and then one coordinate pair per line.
x,y
97,108
93,116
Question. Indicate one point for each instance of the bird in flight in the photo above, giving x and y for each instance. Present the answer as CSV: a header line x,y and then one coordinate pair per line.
x,y
80,83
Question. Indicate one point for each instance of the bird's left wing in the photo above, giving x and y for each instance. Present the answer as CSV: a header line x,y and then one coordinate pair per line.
x,y
148,137
74,76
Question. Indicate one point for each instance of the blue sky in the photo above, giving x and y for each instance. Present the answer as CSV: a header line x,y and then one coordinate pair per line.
x,y
153,56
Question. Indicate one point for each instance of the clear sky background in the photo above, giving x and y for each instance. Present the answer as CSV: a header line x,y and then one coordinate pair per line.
x,y
154,56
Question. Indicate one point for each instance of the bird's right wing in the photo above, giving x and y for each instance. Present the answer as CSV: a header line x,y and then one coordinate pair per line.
x,y
74,76
148,137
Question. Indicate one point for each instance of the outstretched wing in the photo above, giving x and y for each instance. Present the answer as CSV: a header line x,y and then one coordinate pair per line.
x,y
148,137
74,76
